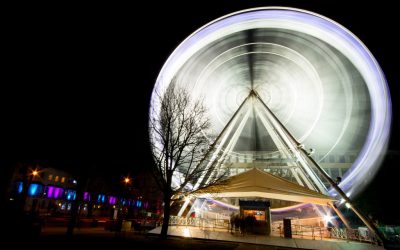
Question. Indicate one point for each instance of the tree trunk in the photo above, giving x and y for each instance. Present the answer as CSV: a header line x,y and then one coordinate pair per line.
x,y
167,212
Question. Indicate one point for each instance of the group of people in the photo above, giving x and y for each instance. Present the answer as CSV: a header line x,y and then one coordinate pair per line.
x,y
242,224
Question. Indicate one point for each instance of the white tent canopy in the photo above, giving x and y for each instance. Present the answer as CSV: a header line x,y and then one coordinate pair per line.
x,y
257,183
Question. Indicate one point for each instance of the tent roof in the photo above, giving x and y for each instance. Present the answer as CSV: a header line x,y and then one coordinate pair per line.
x,y
257,183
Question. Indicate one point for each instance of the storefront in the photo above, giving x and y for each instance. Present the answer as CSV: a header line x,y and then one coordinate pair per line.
x,y
257,216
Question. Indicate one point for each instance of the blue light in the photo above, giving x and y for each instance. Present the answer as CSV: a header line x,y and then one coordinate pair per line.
x,y
101,198
19,187
34,189
71,194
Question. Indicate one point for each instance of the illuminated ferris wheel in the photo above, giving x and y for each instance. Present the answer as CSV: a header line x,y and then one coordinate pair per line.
x,y
314,76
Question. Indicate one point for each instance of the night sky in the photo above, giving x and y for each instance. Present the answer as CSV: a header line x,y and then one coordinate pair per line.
x,y
79,78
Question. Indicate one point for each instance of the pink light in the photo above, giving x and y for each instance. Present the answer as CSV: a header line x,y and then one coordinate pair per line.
x,y
50,191
86,196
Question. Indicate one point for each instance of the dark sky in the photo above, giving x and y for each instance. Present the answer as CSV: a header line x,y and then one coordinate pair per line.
x,y
79,78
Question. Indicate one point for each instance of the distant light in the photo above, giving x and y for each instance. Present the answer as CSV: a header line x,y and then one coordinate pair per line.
x,y
34,172
54,192
71,194
19,187
74,181
186,232
112,200
34,189
348,205
59,204
11,199
127,180
86,196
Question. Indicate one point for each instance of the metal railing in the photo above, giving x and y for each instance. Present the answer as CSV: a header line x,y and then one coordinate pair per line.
x,y
198,222
318,233
360,234
302,231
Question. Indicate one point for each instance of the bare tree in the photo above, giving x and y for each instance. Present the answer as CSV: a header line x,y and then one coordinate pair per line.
x,y
179,146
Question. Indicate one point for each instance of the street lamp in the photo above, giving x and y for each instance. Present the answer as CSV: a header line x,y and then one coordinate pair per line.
x,y
35,173
126,193
28,178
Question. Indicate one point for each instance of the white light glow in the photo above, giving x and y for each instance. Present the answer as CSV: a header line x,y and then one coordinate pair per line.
x,y
327,218
186,232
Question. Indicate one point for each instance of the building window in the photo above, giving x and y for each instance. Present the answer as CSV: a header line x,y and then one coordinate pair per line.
x,y
62,179
50,177
56,179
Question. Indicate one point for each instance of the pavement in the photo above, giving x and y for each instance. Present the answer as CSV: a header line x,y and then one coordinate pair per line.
x,y
180,237
224,235
98,238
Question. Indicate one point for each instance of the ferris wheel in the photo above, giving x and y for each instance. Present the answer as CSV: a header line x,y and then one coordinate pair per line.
x,y
315,76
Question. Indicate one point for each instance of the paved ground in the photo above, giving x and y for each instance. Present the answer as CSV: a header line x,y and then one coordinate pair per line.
x,y
223,235
98,238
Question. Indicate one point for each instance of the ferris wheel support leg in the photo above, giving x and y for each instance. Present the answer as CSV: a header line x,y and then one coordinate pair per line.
x,y
341,216
224,135
296,176
184,206
371,226
291,143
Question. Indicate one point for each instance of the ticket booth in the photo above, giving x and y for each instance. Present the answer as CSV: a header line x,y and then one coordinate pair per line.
x,y
260,210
